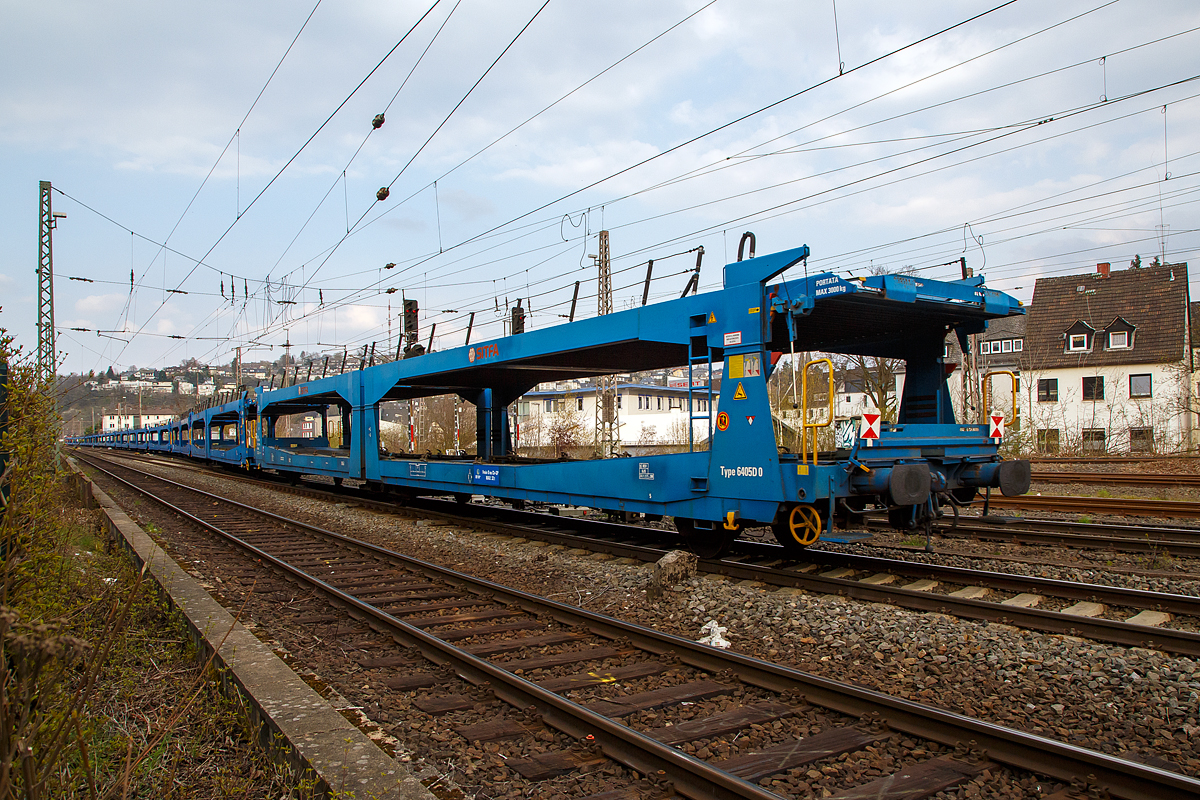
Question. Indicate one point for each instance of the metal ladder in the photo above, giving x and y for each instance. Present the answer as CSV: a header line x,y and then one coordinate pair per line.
x,y
694,360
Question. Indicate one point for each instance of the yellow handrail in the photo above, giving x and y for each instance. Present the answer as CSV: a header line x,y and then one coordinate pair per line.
x,y
987,390
805,425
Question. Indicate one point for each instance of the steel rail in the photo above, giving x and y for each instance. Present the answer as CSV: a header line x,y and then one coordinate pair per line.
x,y
1177,543
1100,505
1072,590
1025,751
1154,479
1125,459
1104,630
691,777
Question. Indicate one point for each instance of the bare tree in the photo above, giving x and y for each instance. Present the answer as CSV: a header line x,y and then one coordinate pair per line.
x,y
566,429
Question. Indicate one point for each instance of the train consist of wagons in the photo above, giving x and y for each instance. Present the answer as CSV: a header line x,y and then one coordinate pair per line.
x,y
734,474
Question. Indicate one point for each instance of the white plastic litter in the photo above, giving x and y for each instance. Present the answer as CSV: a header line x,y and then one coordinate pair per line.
x,y
714,635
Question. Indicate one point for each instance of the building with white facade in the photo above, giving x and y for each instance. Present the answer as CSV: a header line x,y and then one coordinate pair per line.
x,y
124,422
648,415
998,350
1107,363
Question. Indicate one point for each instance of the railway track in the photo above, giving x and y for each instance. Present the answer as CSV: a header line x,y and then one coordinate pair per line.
x,y
469,637
1118,506
1130,617
1145,539
1152,479
1120,459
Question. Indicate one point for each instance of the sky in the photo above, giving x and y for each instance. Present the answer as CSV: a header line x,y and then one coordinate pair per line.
x,y
224,154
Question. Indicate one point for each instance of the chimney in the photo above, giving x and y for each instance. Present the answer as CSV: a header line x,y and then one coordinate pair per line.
x,y
1102,269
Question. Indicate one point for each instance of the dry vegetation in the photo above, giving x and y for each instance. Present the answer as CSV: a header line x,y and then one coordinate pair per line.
x,y
102,694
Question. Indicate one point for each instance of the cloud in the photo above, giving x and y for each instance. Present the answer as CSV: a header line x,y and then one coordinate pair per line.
x,y
467,206
100,303
406,224
140,99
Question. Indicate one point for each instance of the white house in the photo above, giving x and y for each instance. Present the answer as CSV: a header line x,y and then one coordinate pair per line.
x,y
647,414
1107,363
998,350
124,422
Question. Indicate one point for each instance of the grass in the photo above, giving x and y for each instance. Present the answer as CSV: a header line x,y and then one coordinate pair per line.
x,y
102,694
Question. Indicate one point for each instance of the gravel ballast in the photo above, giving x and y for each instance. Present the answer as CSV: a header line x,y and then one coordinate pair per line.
x,y
1130,702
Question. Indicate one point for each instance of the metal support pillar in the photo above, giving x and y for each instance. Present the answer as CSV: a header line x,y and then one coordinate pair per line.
x,y
45,271
607,427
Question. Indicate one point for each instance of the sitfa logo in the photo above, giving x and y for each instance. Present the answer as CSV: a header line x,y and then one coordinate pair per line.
x,y
483,351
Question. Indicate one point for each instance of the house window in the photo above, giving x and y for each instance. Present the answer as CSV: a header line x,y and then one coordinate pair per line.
x,y
1006,346
1048,390
658,402
579,403
1093,440
1139,386
1093,388
1141,440
1079,341
985,348
1118,340
674,402
1047,440
1018,345
618,401
549,406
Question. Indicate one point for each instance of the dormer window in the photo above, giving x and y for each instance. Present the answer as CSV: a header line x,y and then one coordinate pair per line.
x,y
1078,337
1120,334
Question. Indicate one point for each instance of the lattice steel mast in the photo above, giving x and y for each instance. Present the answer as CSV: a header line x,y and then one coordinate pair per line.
x,y
45,271
607,426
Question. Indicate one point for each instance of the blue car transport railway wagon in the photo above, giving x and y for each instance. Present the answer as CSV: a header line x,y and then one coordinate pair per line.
x,y
914,468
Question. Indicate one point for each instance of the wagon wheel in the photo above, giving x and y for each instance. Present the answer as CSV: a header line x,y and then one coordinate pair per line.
x,y
703,542
802,527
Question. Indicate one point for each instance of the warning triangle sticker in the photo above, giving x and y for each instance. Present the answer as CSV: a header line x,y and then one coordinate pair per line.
x,y
711,318
750,420
740,394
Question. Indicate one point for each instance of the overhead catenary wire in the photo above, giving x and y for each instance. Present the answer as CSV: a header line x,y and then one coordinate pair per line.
x,y
925,38
556,217
377,123
497,228
383,193
290,161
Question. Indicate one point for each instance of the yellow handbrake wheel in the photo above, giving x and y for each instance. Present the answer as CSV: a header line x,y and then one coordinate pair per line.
x,y
804,523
